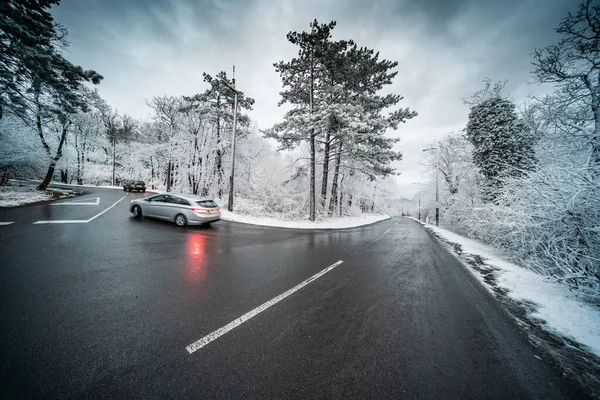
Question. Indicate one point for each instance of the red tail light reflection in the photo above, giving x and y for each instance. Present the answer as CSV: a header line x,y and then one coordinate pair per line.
x,y
195,266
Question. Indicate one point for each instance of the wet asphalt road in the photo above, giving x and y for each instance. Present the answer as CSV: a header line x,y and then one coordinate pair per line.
x,y
105,309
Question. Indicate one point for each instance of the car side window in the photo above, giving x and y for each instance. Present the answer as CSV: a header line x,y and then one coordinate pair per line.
x,y
159,199
178,200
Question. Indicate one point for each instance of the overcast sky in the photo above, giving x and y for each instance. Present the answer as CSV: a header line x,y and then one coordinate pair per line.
x,y
445,48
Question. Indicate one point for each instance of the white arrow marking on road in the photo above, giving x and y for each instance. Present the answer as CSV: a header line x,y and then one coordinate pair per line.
x,y
6,223
79,221
197,345
82,202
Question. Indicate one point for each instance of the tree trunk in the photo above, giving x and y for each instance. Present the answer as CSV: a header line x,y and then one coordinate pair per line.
x,y
168,182
312,215
48,177
312,200
595,159
324,182
219,160
336,175
57,156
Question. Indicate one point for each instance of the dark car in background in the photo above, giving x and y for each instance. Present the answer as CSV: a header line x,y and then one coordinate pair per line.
x,y
138,186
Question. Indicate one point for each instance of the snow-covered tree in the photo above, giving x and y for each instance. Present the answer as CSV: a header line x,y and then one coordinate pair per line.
x,y
333,88
502,142
574,66
216,104
37,83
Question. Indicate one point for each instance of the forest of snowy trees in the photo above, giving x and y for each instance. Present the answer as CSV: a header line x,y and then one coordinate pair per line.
x,y
334,137
522,177
525,178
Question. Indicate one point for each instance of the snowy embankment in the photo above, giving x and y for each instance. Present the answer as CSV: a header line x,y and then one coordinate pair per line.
x,y
327,223
554,305
15,196
53,183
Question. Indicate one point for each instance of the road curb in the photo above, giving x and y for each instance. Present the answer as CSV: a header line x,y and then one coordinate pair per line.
x,y
306,229
561,353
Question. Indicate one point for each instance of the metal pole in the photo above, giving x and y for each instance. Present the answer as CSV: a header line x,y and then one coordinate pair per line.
x,y
419,201
437,196
113,166
230,203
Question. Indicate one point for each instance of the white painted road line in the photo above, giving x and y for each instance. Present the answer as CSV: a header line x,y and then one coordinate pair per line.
x,y
78,203
62,221
79,221
197,345
102,212
6,223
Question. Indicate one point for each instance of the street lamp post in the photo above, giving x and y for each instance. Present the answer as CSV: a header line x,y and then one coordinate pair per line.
x,y
419,183
437,195
235,99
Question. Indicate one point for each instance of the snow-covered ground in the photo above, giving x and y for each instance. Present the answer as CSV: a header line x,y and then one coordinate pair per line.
x,y
53,183
14,195
560,310
328,223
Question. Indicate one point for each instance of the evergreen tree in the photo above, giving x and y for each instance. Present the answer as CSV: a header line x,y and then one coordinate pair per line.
x,y
300,77
37,83
31,60
333,87
503,144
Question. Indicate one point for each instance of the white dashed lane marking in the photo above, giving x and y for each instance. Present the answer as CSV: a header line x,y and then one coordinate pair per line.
x,y
197,345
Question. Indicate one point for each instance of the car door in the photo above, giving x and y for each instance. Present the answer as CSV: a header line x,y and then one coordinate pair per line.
x,y
154,205
175,206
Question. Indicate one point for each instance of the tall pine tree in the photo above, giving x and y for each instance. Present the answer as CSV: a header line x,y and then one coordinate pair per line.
x,y
333,87
37,83
503,144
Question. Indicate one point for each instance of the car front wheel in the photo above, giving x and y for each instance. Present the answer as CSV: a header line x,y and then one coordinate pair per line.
x,y
137,211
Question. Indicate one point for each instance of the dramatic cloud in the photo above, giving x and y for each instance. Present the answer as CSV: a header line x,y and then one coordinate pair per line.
x,y
445,48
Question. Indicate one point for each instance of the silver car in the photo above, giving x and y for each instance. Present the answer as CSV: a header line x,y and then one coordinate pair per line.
x,y
181,209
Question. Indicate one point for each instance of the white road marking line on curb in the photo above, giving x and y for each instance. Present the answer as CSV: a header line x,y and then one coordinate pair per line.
x,y
79,221
78,203
197,345
6,223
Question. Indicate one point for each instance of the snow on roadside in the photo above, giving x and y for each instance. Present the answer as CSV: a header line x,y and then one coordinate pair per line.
x,y
53,183
327,223
14,196
562,312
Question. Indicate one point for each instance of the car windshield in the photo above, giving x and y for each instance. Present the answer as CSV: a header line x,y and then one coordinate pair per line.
x,y
139,182
207,203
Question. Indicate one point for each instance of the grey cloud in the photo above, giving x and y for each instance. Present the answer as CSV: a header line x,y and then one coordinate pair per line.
x,y
445,48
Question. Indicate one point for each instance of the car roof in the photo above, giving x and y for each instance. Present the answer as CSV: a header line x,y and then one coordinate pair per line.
x,y
188,196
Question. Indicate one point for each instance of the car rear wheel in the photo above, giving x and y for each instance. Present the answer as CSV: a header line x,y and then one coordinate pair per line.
x,y
180,220
137,211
